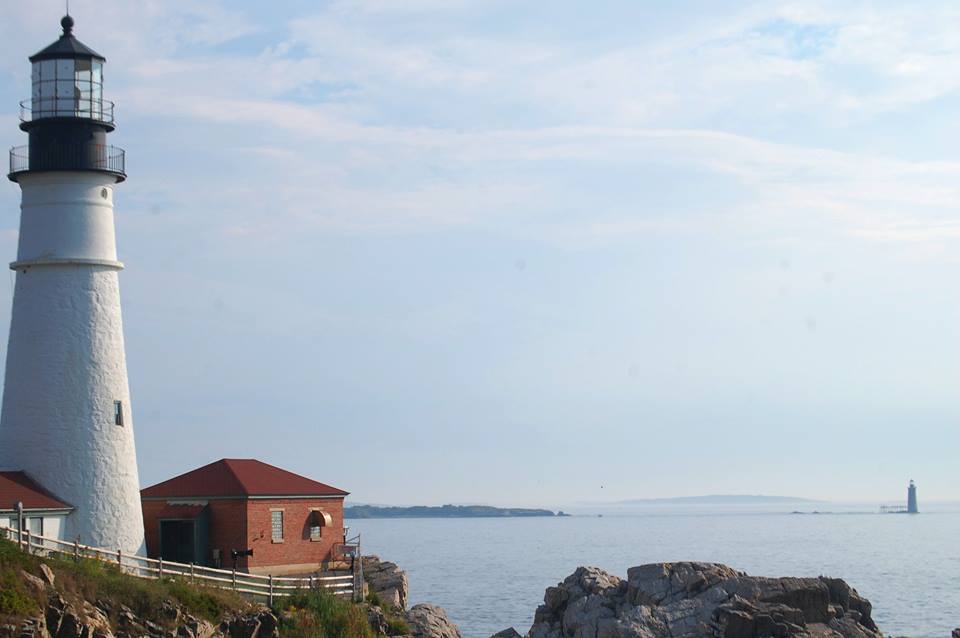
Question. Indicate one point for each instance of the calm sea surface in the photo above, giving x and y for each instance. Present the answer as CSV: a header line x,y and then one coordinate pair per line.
x,y
490,574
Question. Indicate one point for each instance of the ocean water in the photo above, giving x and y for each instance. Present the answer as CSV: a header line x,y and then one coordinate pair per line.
x,y
490,574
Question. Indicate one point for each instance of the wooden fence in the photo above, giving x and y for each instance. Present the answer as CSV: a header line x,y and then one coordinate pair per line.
x,y
250,585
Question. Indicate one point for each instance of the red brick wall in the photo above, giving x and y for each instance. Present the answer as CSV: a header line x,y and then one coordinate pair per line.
x,y
151,526
243,524
296,548
228,530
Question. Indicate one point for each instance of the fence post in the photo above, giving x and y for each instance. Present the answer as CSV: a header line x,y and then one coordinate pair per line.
x,y
28,541
311,582
191,574
119,557
234,577
76,551
271,590
358,581
161,568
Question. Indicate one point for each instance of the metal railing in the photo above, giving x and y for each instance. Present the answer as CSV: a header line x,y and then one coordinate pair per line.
x,y
251,585
88,157
46,107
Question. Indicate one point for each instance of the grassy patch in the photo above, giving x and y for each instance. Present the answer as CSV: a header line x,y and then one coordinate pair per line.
x,y
92,579
11,557
319,614
310,614
397,627
97,579
15,599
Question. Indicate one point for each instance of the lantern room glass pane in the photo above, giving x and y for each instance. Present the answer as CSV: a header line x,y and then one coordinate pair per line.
x,y
48,69
67,88
82,70
65,69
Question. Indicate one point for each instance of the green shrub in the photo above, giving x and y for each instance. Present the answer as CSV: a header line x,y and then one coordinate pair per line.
x,y
15,600
374,599
12,556
320,614
397,627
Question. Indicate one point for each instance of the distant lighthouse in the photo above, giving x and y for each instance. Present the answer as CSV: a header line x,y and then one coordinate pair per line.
x,y
66,419
912,498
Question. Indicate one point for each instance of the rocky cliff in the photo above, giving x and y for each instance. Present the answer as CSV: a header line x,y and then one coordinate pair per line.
x,y
42,597
387,585
694,600
65,613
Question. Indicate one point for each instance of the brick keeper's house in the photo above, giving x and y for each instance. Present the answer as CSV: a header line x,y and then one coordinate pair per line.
x,y
293,524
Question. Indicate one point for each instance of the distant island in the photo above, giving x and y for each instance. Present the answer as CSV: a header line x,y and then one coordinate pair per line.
x,y
719,499
445,511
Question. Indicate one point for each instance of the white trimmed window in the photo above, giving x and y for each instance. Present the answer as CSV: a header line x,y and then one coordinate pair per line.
x,y
276,525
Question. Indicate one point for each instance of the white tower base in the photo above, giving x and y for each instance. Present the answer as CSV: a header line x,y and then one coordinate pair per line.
x,y
66,374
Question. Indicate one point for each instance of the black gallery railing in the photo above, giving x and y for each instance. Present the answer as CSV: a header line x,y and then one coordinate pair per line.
x,y
47,107
87,157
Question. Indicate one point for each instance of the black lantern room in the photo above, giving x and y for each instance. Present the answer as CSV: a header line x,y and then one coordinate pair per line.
x,y
66,117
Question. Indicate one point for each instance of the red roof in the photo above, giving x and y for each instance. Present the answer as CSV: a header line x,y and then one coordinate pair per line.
x,y
18,487
238,478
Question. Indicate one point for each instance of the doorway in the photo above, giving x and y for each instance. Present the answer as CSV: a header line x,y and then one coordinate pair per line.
x,y
178,541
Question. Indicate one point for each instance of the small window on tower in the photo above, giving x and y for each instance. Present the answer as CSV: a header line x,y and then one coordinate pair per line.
x,y
118,412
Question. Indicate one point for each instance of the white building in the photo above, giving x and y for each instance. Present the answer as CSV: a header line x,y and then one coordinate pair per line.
x,y
22,499
66,418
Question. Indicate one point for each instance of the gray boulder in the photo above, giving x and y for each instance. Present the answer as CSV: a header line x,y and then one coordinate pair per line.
x,y
430,621
507,633
694,600
387,580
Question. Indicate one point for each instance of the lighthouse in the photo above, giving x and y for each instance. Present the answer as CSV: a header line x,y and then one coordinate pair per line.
x,y
66,418
912,498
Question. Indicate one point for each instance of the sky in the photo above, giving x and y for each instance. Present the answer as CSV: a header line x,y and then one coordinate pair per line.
x,y
528,253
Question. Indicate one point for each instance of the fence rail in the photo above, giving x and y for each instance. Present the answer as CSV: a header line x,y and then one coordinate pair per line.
x,y
251,585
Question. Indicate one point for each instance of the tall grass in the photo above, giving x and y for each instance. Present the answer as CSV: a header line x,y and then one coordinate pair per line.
x,y
320,614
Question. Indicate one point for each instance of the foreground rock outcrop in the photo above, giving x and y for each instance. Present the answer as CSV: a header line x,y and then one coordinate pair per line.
x,y
430,621
386,580
693,600
389,583
106,619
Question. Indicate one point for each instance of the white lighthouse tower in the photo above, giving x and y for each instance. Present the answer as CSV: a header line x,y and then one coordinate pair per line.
x,y
66,419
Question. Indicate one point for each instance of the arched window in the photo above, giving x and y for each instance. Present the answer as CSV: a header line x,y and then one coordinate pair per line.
x,y
318,520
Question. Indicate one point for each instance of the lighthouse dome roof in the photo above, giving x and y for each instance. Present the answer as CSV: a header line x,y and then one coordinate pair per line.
x,y
66,46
